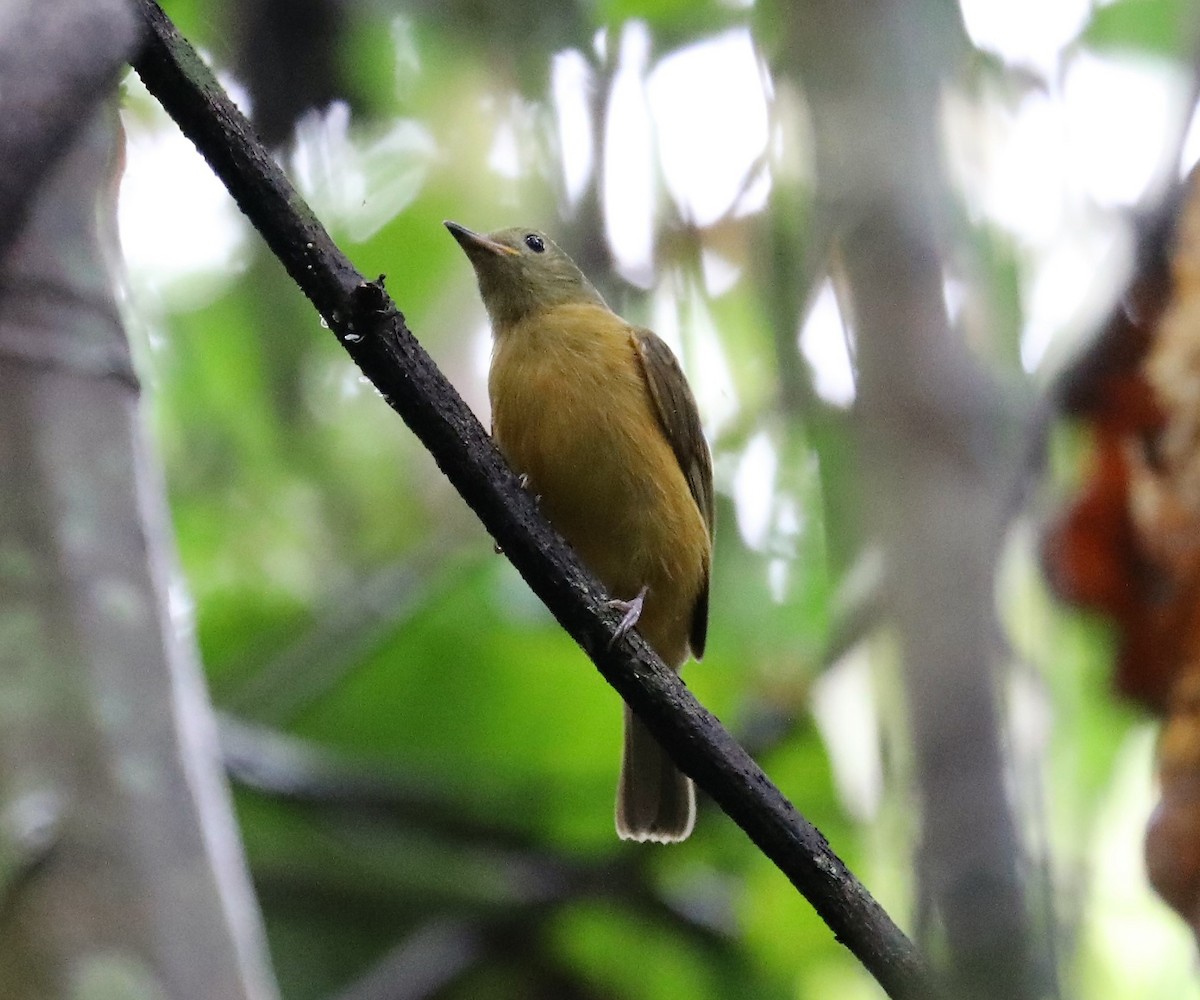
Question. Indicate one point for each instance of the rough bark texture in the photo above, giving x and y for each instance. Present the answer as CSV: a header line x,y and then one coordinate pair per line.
x,y
376,337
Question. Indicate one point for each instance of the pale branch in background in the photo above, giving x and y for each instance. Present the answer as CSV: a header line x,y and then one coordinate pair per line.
x,y
41,105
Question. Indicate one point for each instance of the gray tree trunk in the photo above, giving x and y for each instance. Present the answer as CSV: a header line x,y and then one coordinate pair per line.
x,y
121,872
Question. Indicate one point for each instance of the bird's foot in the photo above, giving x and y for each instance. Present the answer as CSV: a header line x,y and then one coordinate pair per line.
x,y
632,612
523,481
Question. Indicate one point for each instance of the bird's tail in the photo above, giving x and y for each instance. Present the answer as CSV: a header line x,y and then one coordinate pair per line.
x,y
655,801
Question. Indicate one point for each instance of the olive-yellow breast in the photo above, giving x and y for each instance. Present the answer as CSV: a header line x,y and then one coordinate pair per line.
x,y
598,416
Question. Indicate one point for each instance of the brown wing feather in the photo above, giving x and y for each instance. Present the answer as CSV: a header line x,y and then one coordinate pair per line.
x,y
680,422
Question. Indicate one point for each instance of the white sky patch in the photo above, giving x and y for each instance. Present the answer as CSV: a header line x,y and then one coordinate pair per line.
x,y
823,344
779,572
954,295
787,522
790,519
481,352
681,317
666,308
1030,721
711,378
754,197
1119,112
359,180
754,490
505,156
792,142
843,704
407,54
1191,145
1029,33
600,44
570,83
712,88
629,172
1010,163
176,220
1071,287
1055,168
720,274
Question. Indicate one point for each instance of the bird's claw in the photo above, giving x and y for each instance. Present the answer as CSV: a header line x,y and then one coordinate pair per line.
x,y
632,610
523,482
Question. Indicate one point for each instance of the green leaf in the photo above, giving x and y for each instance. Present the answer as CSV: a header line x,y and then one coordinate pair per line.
x,y
1157,27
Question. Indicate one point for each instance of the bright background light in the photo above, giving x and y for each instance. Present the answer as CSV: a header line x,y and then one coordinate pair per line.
x,y
1052,160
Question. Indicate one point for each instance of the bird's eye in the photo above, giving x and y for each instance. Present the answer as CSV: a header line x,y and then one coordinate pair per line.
x,y
535,243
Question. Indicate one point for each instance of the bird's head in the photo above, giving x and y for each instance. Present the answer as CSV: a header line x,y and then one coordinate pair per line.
x,y
522,272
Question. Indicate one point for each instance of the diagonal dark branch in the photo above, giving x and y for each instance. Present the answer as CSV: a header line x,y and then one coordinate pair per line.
x,y
373,332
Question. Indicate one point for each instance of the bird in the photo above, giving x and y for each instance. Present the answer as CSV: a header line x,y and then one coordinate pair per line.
x,y
597,417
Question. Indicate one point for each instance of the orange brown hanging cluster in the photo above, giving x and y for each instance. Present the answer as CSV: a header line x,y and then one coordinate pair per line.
x,y
1128,547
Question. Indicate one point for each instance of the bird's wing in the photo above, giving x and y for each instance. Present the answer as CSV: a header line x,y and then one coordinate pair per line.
x,y
680,420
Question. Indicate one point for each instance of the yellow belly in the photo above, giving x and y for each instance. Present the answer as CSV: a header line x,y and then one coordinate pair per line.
x,y
571,410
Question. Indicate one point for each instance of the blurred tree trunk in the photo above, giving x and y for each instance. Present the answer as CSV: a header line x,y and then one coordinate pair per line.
x,y
935,464
121,873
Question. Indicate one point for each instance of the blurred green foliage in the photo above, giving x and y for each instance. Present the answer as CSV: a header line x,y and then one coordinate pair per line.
x,y
426,764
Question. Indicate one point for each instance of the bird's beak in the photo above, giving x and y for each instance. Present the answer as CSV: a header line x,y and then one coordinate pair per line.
x,y
476,244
